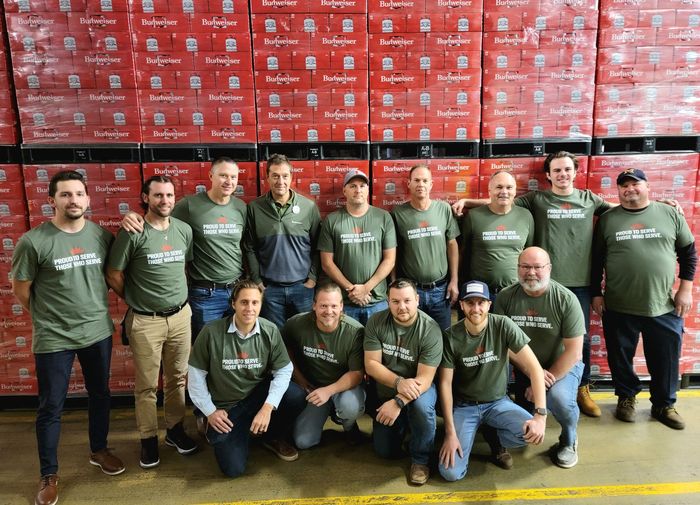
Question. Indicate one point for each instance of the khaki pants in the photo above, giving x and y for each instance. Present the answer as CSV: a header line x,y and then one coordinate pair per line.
x,y
153,339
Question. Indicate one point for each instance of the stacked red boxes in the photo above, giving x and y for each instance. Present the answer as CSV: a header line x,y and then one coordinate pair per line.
x,y
539,68
425,70
8,113
311,70
194,71
73,71
648,76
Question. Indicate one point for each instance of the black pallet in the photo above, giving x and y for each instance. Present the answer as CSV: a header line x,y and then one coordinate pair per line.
x,y
633,145
10,154
317,151
467,149
198,152
690,380
496,148
34,154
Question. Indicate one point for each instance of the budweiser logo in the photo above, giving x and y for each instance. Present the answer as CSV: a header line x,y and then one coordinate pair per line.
x,y
221,60
158,22
229,134
163,61
34,21
454,77
280,3
394,79
45,98
396,42
398,115
217,22
338,41
284,115
102,59
280,42
338,4
340,115
224,97
166,98
281,79
98,21
451,113
396,4
106,97
49,134
343,79
112,134
39,59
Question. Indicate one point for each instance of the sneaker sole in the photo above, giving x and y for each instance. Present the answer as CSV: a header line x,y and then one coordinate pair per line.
x,y
561,464
116,472
288,459
182,451
149,465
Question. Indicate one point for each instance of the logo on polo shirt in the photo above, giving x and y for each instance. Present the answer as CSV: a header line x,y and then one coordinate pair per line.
x,y
531,312
166,248
501,227
243,355
222,220
479,350
637,226
77,250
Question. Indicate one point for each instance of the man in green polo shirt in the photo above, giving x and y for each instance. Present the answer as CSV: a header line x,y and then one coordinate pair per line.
x,y
58,277
428,253
326,348
148,271
403,348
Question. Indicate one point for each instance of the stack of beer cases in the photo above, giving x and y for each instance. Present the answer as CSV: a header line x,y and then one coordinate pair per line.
x,y
73,71
425,69
8,113
194,70
648,78
16,360
539,68
670,176
193,177
311,70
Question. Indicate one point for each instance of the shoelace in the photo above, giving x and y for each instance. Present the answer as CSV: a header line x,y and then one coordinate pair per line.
x,y
628,402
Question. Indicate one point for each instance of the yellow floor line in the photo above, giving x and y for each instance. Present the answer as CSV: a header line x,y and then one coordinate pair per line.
x,y
669,488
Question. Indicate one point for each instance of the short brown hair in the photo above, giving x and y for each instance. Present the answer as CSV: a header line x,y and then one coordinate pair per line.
x,y
244,284
401,283
557,155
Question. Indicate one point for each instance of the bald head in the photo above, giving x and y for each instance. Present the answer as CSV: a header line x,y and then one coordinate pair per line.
x,y
501,192
534,270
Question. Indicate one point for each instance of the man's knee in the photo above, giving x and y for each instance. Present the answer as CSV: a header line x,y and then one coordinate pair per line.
x,y
307,439
453,474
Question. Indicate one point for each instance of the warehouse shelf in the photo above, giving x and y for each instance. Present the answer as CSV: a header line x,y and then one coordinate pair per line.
x,y
646,144
95,153
317,151
198,152
425,150
9,154
492,148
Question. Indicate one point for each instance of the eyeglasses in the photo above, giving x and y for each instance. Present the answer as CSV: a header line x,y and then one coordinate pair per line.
x,y
536,268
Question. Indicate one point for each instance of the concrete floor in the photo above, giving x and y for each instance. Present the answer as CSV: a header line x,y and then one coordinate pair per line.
x,y
619,464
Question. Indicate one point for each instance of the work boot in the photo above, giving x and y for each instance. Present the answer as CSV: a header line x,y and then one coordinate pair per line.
x,y
502,458
625,410
108,462
668,416
48,490
149,452
418,474
586,403
176,437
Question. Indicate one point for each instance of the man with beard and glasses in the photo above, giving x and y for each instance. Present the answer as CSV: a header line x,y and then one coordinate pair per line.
x,y
551,316
148,271
58,277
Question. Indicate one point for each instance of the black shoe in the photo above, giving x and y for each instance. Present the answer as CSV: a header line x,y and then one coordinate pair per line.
x,y
668,416
149,452
176,437
355,437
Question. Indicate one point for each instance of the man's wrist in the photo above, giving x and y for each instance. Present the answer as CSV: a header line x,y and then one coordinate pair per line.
x,y
396,382
539,411
399,402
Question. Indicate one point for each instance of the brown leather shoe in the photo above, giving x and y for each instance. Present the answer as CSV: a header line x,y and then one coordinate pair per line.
x,y
586,403
419,474
626,410
668,416
282,449
503,458
108,462
48,490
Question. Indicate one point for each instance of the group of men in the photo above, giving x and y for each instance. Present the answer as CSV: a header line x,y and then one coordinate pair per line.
x,y
227,298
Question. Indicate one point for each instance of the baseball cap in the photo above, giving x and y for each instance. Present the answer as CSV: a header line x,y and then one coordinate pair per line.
x,y
631,173
473,289
355,174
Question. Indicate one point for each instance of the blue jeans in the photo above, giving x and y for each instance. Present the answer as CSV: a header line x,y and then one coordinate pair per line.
x,y
661,337
349,406
362,314
503,415
53,374
231,449
282,302
434,303
207,305
584,299
561,401
419,417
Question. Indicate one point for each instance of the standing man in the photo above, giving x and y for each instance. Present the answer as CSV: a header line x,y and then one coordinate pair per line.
x,y
58,277
563,218
474,379
217,219
428,251
403,348
358,249
326,349
148,271
229,381
637,245
551,316
494,235
280,244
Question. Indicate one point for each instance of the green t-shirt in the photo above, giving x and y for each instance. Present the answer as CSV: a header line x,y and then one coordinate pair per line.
x,y
546,319
235,365
492,243
153,263
217,232
422,240
480,362
324,357
564,228
357,244
68,296
639,250
403,347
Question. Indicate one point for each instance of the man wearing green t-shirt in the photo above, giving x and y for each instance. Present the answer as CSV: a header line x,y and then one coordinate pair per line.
x,y
358,249
637,245
551,316
403,348
148,271
58,277
473,381
229,381
494,235
427,243
326,348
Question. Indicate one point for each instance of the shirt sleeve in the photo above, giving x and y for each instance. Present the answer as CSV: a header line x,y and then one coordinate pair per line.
x,y
199,392
120,254
315,232
452,228
389,240
356,358
279,384
249,245
325,237
447,354
25,263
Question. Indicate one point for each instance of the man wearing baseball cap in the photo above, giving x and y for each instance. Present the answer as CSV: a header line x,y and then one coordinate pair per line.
x,y
358,249
473,378
637,245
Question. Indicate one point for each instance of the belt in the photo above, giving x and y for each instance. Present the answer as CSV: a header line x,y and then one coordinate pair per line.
x,y
431,285
163,313
212,285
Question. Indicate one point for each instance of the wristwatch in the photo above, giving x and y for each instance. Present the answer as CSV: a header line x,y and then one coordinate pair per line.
x,y
539,411
399,402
